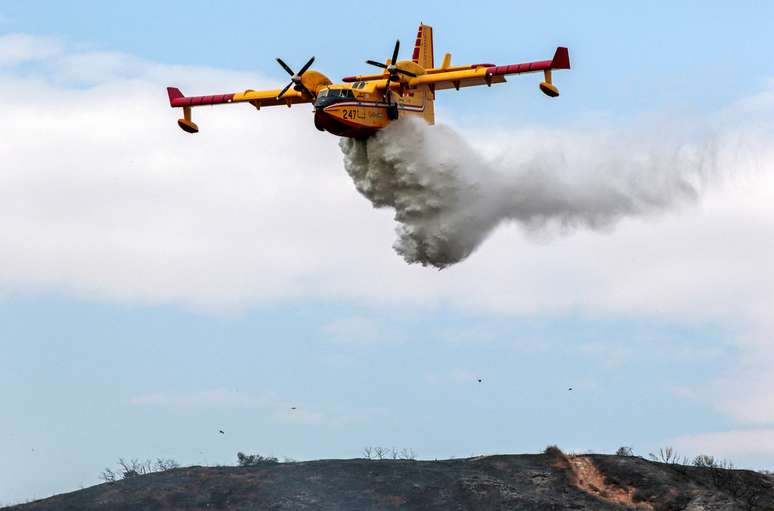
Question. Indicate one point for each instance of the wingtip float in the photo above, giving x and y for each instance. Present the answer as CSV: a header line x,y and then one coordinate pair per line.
x,y
363,104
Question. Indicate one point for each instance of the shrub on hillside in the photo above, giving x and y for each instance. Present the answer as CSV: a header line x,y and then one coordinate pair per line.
x,y
559,460
707,461
385,453
553,450
134,467
669,456
255,460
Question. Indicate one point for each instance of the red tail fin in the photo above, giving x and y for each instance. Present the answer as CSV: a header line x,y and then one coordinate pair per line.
x,y
174,93
561,59
423,49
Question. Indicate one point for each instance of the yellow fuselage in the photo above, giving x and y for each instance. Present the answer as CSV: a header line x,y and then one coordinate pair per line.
x,y
359,109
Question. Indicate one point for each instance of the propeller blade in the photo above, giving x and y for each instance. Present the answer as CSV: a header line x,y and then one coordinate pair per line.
x,y
377,64
395,52
283,91
285,67
404,72
306,66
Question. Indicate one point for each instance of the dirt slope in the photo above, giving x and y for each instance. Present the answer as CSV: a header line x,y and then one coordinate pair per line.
x,y
509,482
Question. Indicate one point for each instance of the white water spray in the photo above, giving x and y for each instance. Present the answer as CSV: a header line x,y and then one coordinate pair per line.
x,y
448,197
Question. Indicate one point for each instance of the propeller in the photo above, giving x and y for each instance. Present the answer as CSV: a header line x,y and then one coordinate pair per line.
x,y
295,78
392,69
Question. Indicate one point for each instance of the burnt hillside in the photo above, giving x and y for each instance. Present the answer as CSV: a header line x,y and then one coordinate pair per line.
x,y
505,482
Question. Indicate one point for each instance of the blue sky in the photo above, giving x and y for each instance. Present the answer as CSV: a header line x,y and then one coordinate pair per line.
x,y
158,288
627,58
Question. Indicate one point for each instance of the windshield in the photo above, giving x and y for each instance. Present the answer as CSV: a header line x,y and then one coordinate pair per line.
x,y
344,93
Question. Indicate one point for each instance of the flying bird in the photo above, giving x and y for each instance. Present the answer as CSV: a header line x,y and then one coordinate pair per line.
x,y
480,380
570,388
221,432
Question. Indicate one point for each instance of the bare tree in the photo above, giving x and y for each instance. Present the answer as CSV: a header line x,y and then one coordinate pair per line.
x,y
624,451
736,483
164,464
134,467
108,475
407,454
704,461
666,455
376,452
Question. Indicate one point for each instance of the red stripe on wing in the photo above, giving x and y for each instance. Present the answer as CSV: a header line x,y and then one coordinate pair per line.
x,y
202,100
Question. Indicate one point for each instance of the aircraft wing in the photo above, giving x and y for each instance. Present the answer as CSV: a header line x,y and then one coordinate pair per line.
x,y
487,75
255,98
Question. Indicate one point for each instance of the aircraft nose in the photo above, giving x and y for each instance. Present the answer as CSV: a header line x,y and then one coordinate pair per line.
x,y
325,101
319,120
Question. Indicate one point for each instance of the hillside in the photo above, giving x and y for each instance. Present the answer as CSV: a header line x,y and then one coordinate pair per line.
x,y
513,482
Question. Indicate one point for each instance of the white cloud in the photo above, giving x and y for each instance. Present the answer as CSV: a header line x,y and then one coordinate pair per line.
x,y
730,444
102,196
17,48
745,392
310,418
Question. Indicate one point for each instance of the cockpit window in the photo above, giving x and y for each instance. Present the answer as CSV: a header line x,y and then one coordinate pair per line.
x,y
344,93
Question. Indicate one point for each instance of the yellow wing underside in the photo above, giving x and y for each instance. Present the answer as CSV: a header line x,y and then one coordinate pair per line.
x,y
259,98
456,79
437,80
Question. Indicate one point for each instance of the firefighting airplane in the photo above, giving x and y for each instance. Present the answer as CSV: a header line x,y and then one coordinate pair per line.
x,y
364,104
